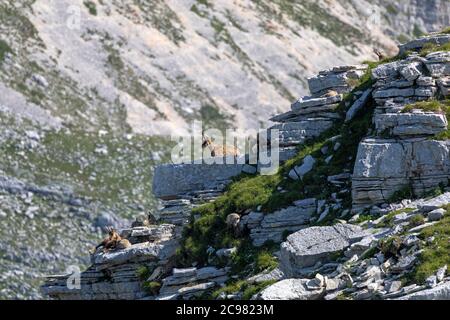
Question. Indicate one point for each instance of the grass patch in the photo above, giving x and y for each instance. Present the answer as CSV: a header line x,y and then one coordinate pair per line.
x,y
91,6
152,287
4,49
388,221
246,193
391,246
248,290
430,48
391,9
437,106
436,254
426,106
446,30
143,273
417,220
405,192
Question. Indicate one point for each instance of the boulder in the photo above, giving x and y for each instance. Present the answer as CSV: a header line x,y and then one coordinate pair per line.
x,y
436,215
440,292
358,105
309,102
306,167
417,44
410,124
274,225
383,167
173,180
309,246
291,289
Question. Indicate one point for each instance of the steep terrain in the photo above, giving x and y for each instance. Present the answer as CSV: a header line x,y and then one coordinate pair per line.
x,y
90,90
358,210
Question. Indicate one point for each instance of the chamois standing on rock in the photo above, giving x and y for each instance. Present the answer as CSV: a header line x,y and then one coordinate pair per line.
x,y
219,150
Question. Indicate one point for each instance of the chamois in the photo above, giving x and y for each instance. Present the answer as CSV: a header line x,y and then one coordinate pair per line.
x,y
219,151
113,241
232,222
379,54
331,93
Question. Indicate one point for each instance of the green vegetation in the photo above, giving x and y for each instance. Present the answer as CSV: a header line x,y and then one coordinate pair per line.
x,y
247,192
248,290
435,254
70,157
152,287
391,9
391,246
403,38
417,31
160,16
438,106
11,18
312,15
91,6
388,221
143,273
128,81
417,220
213,118
430,48
446,30
426,106
4,48
405,192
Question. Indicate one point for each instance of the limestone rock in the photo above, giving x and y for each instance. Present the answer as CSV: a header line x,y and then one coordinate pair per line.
x,y
316,244
385,166
291,289
172,180
436,215
274,225
358,105
404,124
440,292
417,44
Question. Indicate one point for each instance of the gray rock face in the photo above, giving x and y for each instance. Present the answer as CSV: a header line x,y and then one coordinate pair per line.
x,y
186,283
410,124
440,292
173,180
115,274
436,215
358,105
312,115
294,133
300,171
385,166
337,79
309,246
291,289
310,102
273,226
418,44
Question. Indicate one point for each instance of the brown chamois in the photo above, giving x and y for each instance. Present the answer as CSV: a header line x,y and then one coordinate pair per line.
x,y
232,222
331,93
113,241
379,54
219,151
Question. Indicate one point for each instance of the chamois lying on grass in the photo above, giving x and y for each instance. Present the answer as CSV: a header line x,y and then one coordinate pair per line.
x,y
219,150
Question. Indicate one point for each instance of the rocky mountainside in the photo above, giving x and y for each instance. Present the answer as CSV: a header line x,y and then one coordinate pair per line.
x,y
90,90
359,209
